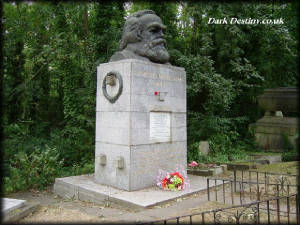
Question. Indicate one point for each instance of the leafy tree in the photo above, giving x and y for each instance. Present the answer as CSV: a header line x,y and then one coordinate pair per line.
x,y
51,51
14,61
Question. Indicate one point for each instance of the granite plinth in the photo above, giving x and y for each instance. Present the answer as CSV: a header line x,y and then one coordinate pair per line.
x,y
85,188
129,146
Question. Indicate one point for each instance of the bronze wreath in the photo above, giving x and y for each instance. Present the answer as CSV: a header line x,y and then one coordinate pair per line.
x,y
112,99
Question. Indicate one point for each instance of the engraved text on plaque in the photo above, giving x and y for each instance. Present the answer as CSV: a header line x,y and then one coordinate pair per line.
x,y
160,126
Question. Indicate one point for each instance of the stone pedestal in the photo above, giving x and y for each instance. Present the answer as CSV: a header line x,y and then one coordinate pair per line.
x,y
142,129
269,131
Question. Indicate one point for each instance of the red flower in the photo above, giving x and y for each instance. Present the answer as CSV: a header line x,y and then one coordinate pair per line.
x,y
178,175
164,182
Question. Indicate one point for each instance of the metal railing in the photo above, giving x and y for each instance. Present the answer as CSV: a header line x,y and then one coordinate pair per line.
x,y
266,177
255,190
257,212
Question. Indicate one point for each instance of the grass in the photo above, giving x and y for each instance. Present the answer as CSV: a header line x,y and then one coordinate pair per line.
x,y
283,167
263,153
243,163
221,158
290,168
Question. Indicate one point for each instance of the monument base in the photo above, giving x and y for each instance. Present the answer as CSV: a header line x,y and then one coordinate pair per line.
x,y
84,188
144,128
269,130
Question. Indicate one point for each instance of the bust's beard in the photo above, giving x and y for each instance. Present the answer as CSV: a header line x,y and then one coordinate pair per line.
x,y
155,50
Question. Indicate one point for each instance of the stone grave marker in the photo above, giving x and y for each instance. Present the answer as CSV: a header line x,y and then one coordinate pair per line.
x,y
203,147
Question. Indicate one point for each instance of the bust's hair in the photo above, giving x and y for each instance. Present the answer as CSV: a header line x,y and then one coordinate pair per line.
x,y
132,29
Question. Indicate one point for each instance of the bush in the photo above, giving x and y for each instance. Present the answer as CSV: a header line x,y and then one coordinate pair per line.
x,y
221,146
34,161
84,168
35,170
287,145
290,156
192,153
74,145
222,134
289,153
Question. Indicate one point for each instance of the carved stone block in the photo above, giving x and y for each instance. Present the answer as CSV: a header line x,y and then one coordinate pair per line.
x,y
124,132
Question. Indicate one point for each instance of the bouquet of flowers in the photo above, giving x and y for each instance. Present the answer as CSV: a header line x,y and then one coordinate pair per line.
x,y
174,181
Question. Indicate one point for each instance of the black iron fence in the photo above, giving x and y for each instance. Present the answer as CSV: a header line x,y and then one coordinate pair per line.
x,y
268,178
244,190
257,212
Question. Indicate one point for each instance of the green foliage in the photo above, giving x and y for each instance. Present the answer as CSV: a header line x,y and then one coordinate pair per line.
x,y
79,169
17,139
290,153
218,154
223,135
228,144
206,90
34,170
74,144
192,153
287,145
51,51
290,156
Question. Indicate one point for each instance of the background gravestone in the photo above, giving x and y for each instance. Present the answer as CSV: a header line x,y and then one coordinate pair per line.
x,y
270,129
203,147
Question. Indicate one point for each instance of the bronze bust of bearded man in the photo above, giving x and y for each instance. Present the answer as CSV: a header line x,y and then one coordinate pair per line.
x,y
143,39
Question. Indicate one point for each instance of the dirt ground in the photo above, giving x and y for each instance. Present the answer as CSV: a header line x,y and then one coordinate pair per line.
x,y
53,208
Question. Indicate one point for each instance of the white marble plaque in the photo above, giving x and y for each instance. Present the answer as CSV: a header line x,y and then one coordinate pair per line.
x,y
160,126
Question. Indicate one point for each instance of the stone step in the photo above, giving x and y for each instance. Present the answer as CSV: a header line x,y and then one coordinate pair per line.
x,y
15,209
84,188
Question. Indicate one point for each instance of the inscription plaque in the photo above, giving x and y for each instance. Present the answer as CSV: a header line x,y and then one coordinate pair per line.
x,y
160,126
